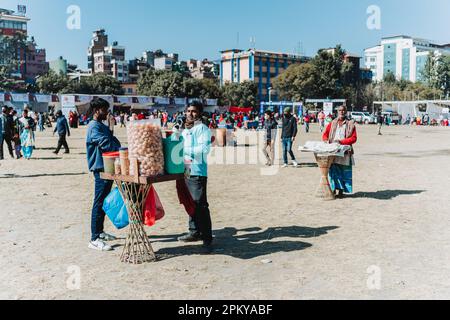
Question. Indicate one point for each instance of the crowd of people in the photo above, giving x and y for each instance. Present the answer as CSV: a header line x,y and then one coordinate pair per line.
x,y
18,132
426,120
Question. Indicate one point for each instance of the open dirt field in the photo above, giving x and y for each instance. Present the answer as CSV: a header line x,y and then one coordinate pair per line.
x,y
390,240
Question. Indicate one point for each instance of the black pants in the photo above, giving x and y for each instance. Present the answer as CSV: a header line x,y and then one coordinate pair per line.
x,y
200,224
7,139
62,143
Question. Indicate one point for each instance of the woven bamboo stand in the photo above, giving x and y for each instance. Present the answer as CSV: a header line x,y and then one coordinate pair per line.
x,y
134,191
324,191
138,248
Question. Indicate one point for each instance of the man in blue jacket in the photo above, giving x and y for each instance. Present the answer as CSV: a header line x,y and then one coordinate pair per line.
x,y
62,127
197,146
99,140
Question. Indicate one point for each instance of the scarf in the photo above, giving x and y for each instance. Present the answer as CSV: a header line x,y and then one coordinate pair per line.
x,y
350,128
190,123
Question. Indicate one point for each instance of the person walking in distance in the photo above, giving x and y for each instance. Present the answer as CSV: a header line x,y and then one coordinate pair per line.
x,y
289,133
7,131
62,127
380,121
307,120
321,116
270,127
111,122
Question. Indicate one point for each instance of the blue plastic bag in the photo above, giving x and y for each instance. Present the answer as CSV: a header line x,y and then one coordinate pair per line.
x,y
116,209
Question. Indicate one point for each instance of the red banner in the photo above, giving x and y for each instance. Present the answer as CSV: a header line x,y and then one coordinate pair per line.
x,y
237,110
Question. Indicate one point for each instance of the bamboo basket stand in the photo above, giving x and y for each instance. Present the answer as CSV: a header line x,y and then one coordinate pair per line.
x,y
134,190
324,191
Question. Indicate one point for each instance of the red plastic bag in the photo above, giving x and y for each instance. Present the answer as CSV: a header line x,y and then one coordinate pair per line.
x,y
153,209
185,197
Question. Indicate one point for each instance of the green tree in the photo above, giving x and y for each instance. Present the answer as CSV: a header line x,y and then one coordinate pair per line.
x,y
52,83
437,73
161,83
389,78
332,72
192,88
99,83
240,94
9,47
202,88
297,82
211,89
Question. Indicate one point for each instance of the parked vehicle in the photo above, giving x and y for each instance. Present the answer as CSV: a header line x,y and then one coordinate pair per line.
x,y
393,116
363,117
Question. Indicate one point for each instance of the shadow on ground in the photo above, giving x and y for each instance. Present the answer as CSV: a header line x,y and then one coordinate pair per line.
x,y
308,165
385,194
17,176
246,243
45,158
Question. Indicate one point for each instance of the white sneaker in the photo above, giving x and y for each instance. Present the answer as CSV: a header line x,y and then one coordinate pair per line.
x,y
284,166
295,164
99,245
107,237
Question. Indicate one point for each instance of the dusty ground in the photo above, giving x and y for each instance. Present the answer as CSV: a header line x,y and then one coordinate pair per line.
x,y
396,226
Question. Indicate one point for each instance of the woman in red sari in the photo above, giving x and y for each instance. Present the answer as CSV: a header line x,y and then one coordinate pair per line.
x,y
343,132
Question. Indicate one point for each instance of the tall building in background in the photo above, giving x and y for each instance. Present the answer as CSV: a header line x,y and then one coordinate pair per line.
x,y
35,64
111,61
256,65
149,58
12,24
98,43
203,69
403,56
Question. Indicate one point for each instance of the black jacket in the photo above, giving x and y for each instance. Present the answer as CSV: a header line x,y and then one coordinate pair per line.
x,y
270,125
8,125
289,127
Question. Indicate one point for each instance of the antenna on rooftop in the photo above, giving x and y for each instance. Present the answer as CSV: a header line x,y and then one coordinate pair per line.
x,y
299,49
253,43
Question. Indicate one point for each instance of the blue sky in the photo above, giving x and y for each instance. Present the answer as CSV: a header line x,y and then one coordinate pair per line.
x,y
201,28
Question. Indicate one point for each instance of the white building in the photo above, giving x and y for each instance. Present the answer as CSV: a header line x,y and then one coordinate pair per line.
x,y
164,63
119,69
403,56
112,62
